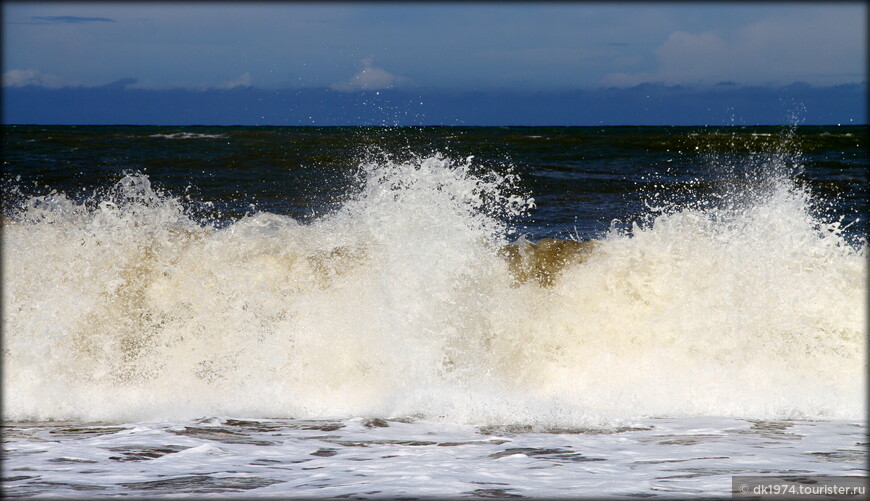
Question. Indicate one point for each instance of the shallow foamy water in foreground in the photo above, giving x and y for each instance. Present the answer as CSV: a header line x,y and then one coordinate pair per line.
x,y
370,458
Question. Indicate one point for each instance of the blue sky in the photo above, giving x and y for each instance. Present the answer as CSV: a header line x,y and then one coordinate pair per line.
x,y
421,48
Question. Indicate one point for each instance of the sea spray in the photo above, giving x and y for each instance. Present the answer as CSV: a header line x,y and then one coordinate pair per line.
x,y
409,299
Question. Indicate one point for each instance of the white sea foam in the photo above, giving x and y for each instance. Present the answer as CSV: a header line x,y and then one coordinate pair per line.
x,y
401,303
189,135
672,457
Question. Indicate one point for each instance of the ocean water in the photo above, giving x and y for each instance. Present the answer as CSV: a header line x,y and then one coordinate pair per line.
x,y
431,312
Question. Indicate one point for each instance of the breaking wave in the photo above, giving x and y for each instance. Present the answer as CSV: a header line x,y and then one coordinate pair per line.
x,y
415,298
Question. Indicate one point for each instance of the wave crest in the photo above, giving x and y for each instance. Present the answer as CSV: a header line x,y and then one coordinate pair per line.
x,y
410,299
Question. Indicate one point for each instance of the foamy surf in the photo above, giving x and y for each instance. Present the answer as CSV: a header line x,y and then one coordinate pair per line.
x,y
188,135
412,299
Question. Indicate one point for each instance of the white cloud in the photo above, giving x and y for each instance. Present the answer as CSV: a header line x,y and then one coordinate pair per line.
x,y
685,58
22,78
370,78
244,80
818,48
